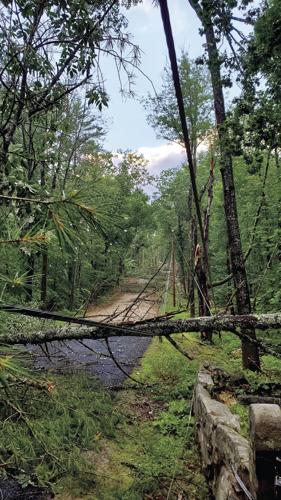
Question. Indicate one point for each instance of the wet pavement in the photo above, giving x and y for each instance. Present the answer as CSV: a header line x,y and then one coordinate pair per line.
x,y
93,355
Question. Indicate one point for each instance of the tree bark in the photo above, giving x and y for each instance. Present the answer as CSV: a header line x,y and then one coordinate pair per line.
x,y
30,275
180,102
250,354
193,244
180,256
207,217
174,273
73,272
230,303
97,330
44,276
203,293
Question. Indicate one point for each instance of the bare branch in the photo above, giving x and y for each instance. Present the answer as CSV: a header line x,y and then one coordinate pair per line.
x,y
251,22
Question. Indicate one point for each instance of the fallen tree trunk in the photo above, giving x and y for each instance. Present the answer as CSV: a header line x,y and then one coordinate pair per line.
x,y
164,328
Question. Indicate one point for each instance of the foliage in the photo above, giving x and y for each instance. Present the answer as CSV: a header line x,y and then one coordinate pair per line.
x,y
47,52
46,440
263,261
162,109
88,211
155,443
51,149
75,218
176,420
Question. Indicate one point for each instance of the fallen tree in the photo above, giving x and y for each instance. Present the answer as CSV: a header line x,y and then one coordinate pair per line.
x,y
162,327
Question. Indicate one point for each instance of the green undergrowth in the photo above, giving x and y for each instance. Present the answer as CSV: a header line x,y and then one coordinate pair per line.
x,y
154,453
84,442
45,434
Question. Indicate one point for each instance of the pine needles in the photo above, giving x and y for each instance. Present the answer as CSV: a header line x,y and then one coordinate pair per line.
x,y
46,441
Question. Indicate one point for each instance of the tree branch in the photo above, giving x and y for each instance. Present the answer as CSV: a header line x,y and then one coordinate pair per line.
x,y
99,330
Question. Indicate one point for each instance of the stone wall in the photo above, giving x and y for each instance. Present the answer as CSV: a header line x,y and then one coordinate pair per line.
x,y
226,455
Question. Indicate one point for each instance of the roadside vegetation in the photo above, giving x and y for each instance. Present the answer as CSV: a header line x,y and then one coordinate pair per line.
x,y
68,433
76,220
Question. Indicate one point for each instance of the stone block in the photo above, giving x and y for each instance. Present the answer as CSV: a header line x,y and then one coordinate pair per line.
x,y
205,379
213,412
265,427
222,446
226,486
232,448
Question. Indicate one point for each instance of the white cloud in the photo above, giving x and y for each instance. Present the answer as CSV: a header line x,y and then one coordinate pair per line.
x,y
147,6
163,157
160,158
178,14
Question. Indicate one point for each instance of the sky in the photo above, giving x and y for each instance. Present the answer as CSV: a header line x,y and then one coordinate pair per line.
x,y
126,118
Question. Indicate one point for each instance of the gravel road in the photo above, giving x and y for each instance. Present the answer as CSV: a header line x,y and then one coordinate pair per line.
x,y
93,355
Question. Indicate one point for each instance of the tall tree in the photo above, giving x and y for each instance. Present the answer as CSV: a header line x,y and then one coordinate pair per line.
x,y
206,11
164,117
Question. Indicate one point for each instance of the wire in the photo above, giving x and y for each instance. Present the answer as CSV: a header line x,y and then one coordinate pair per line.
x,y
242,484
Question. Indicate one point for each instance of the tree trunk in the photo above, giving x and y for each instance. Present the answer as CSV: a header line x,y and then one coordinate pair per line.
x,y
209,204
250,353
174,273
203,292
73,271
29,275
71,284
149,328
180,255
193,244
229,293
201,271
44,275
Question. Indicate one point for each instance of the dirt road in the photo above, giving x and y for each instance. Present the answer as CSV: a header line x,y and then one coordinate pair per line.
x,y
93,355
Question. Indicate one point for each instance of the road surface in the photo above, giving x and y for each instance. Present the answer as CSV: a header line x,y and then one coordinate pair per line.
x,y
93,355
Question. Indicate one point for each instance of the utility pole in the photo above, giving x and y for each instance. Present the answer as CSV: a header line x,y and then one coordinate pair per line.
x,y
174,271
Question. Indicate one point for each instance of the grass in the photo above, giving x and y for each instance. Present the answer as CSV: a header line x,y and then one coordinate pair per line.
x,y
46,441
155,444
84,442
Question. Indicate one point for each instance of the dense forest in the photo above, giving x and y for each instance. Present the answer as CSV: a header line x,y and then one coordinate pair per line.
x,y
77,221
